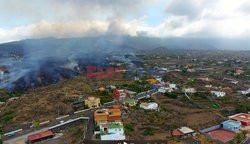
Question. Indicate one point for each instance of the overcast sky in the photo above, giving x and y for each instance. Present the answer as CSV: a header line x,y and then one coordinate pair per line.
x,y
22,19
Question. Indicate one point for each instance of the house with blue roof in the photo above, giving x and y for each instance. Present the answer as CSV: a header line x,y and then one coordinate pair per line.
x,y
231,125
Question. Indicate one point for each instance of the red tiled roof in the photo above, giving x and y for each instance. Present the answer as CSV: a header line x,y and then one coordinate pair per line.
x,y
41,135
221,135
104,125
114,110
176,132
114,118
242,118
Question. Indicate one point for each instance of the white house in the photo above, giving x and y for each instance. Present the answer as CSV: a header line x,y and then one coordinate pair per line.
x,y
149,106
112,131
218,93
186,130
189,90
245,92
208,86
162,90
167,87
159,79
173,86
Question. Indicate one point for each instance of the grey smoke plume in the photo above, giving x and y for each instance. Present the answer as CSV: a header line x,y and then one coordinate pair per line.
x,y
31,63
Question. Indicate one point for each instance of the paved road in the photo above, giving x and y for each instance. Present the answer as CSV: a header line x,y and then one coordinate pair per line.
x,y
247,141
88,113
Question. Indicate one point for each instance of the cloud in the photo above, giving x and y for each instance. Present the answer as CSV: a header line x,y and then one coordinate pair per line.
x,y
76,18
202,18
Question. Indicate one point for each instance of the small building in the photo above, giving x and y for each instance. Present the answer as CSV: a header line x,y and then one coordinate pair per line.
x,y
245,92
151,81
159,79
40,136
206,79
183,132
13,98
149,106
191,70
101,89
218,93
130,102
136,78
107,115
189,90
101,116
112,131
162,90
231,125
173,86
130,93
112,87
238,72
120,94
244,118
114,115
93,102
234,82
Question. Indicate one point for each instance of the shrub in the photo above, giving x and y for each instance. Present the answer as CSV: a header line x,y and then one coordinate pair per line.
x,y
171,95
148,131
98,136
242,108
201,95
97,128
8,116
129,128
106,98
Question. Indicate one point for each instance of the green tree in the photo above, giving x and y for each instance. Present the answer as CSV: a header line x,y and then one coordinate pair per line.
x,y
129,128
36,124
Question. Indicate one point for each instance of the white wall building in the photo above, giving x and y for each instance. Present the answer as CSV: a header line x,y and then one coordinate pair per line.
x,y
218,93
245,92
162,90
189,90
112,131
149,106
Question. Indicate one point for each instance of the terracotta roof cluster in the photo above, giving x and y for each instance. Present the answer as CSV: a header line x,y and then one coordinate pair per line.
x,y
112,114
